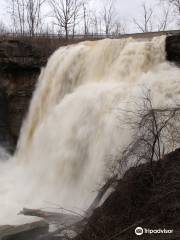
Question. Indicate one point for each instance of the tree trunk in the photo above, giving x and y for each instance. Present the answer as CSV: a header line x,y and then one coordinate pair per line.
x,y
66,30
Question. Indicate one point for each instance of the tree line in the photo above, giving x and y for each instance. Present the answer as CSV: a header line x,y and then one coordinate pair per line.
x,y
71,17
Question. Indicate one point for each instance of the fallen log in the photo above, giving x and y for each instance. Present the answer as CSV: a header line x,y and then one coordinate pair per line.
x,y
52,217
66,224
101,193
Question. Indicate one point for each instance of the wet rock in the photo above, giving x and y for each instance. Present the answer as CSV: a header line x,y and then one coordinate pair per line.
x,y
21,54
173,48
27,231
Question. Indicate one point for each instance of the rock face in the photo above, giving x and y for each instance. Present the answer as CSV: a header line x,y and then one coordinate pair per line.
x,y
140,200
20,64
16,89
173,48
21,54
3,118
27,231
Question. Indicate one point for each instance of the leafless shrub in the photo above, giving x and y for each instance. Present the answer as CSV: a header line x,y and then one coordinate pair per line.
x,y
156,132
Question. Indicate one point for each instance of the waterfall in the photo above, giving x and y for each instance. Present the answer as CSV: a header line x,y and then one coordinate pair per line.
x,y
76,125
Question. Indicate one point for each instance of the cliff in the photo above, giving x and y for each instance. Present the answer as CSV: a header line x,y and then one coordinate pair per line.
x,y
20,64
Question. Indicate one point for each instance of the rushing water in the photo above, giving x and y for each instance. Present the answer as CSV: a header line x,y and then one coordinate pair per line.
x,y
76,127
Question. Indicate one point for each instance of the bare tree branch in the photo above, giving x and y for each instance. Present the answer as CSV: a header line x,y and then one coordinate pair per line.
x,y
157,132
66,13
145,25
108,14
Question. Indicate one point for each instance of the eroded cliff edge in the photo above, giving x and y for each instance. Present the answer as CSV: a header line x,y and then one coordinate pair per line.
x,y
20,64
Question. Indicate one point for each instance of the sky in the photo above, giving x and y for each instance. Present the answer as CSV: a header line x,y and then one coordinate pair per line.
x,y
128,7
126,10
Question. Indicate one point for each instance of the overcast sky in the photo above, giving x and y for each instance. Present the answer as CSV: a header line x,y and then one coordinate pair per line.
x,y
126,10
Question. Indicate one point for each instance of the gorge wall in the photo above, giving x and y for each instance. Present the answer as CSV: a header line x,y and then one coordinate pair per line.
x,y
20,64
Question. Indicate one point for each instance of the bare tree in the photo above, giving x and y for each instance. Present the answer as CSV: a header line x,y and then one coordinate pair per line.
x,y
95,22
108,14
26,15
33,8
78,4
157,133
175,3
66,13
145,24
152,20
85,17
165,17
119,28
17,10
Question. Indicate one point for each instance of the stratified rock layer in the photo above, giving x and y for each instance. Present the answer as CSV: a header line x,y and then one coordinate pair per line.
x,y
20,64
